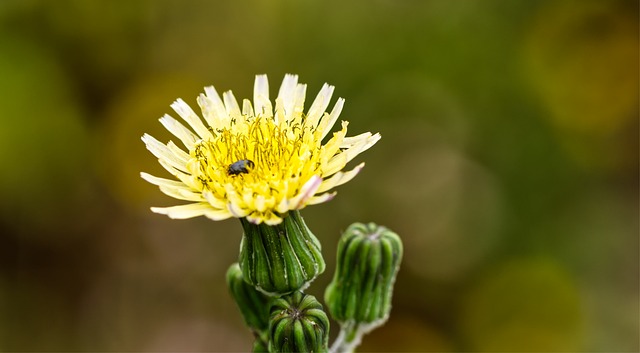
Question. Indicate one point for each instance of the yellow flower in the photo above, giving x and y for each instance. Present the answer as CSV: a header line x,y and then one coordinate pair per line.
x,y
254,161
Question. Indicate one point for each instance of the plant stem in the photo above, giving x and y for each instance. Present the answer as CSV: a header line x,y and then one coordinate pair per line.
x,y
348,338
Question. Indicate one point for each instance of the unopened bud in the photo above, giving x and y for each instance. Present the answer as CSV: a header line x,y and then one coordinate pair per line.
x,y
367,263
298,324
253,305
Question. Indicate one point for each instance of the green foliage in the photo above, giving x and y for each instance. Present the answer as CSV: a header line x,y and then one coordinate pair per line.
x,y
359,297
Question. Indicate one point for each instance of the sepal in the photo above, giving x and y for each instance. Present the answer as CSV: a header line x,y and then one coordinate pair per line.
x,y
282,258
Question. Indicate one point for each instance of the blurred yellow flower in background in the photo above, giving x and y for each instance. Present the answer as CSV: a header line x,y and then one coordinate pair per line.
x,y
252,161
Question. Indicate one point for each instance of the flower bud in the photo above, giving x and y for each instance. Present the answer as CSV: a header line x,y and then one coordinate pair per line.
x,y
367,262
298,324
253,305
282,258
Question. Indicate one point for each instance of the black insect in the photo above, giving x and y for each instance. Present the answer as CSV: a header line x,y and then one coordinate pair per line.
x,y
239,167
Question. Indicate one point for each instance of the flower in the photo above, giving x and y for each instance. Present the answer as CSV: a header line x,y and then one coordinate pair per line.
x,y
255,162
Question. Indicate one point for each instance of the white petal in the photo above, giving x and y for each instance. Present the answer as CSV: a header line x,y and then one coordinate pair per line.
x,y
247,109
235,203
185,135
319,105
214,201
339,178
298,104
321,198
183,211
185,178
231,104
327,122
287,94
259,203
371,141
174,188
335,164
186,113
283,206
162,152
354,140
280,113
182,193
272,219
332,146
338,161
160,181
268,218
218,215
305,192
236,211
181,155
261,103
212,108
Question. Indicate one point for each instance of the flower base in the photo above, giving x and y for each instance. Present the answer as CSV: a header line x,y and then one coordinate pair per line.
x,y
282,258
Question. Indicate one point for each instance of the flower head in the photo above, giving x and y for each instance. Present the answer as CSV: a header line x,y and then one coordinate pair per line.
x,y
254,161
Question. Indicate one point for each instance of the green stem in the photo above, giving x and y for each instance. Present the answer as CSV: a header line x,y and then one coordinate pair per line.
x,y
261,343
348,338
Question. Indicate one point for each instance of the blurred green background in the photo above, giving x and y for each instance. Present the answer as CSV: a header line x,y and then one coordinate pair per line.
x,y
508,164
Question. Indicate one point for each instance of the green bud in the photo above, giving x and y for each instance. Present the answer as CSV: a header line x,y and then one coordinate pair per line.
x,y
282,258
367,263
298,324
253,305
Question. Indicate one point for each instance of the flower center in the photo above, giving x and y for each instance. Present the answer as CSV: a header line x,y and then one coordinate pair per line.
x,y
257,155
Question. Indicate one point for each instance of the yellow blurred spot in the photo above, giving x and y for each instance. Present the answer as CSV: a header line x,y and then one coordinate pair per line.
x,y
405,334
582,59
529,305
122,154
